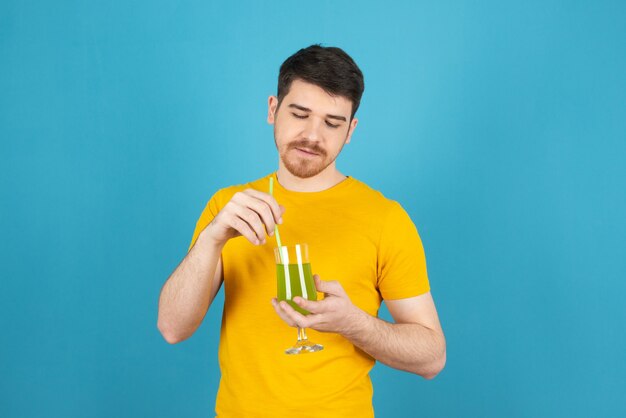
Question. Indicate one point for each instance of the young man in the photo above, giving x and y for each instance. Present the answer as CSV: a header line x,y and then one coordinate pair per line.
x,y
363,246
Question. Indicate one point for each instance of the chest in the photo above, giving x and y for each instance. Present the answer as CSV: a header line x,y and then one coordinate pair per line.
x,y
340,248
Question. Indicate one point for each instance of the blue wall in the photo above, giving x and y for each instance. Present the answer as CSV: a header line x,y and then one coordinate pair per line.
x,y
500,127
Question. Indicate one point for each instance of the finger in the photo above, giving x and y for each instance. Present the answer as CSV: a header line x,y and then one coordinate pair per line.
x,y
271,202
328,287
253,220
241,226
293,315
250,200
281,313
264,211
310,305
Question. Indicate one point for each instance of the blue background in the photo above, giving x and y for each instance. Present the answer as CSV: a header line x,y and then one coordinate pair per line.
x,y
500,128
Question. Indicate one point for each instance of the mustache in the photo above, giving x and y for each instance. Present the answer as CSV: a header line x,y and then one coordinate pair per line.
x,y
307,145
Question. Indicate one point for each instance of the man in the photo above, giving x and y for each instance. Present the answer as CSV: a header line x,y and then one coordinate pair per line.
x,y
363,246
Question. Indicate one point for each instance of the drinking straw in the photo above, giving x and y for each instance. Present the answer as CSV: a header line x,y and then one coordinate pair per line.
x,y
276,227
283,254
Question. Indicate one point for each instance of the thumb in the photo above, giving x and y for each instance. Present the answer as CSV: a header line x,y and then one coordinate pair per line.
x,y
282,209
325,287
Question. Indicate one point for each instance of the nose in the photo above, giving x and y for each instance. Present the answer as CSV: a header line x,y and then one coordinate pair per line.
x,y
312,129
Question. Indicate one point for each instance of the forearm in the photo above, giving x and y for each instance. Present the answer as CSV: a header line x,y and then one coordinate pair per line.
x,y
410,347
187,294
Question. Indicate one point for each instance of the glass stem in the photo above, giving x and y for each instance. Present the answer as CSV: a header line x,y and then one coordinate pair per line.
x,y
302,334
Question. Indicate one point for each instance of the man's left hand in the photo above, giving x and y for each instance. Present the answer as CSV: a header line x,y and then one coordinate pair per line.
x,y
335,313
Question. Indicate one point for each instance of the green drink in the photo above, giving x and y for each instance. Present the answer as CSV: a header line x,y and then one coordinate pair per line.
x,y
294,278
295,282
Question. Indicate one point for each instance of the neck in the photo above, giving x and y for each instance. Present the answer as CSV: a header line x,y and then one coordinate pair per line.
x,y
322,181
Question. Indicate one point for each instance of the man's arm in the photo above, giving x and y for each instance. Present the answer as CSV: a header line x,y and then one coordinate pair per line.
x,y
415,343
188,293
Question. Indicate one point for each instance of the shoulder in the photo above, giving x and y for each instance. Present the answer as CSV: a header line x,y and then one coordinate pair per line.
x,y
388,215
223,195
374,199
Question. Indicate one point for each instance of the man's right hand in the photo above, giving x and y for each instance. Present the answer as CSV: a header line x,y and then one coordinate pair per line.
x,y
250,213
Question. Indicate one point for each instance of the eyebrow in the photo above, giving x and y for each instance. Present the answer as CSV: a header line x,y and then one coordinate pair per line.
x,y
306,109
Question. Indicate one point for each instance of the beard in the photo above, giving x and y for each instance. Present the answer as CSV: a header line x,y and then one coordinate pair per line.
x,y
304,167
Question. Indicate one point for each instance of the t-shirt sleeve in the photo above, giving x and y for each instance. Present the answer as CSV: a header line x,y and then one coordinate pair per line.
x,y
210,211
401,261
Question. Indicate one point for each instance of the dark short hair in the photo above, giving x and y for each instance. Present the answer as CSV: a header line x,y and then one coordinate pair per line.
x,y
327,67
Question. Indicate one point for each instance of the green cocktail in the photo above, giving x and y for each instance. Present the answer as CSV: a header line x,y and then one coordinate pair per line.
x,y
295,282
294,278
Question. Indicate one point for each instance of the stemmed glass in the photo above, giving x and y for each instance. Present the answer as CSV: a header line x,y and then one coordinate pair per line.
x,y
294,278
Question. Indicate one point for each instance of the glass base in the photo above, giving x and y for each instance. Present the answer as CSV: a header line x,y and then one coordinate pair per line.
x,y
303,347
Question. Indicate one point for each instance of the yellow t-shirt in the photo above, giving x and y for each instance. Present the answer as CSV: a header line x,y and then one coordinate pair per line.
x,y
355,236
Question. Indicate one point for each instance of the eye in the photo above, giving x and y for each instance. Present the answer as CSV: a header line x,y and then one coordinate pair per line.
x,y
330,125
299,116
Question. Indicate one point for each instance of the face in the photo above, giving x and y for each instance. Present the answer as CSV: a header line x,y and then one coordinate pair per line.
x,y
310,128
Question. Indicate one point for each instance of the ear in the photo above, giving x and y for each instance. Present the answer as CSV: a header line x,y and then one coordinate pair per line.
x,y
272,102
352,126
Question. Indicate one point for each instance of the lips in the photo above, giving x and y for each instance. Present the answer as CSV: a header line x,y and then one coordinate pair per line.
x,y
306,151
